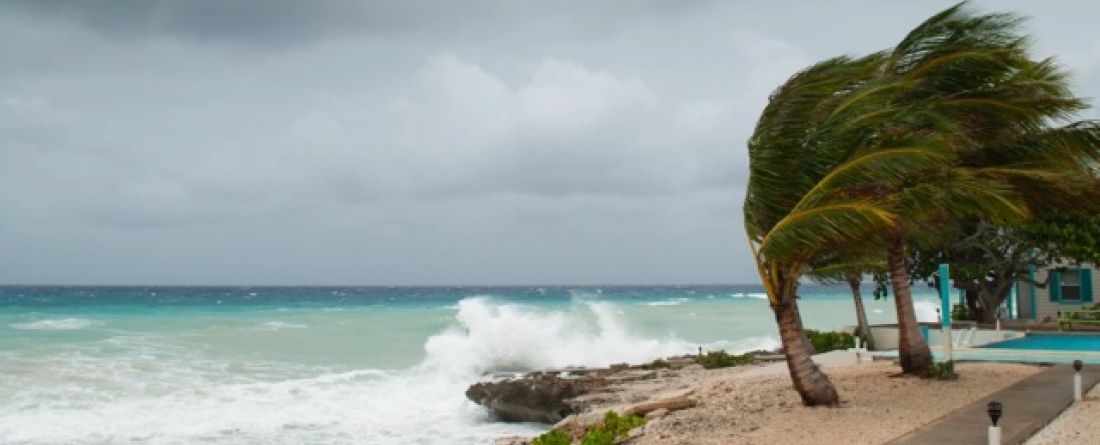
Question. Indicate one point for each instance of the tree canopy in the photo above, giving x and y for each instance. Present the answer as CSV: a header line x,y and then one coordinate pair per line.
x,y
955,127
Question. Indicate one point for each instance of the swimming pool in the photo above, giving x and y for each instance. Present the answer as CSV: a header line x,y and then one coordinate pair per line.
x,y
1031,348
1050,341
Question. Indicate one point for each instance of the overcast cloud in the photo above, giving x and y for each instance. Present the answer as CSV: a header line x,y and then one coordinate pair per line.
x,y
389,142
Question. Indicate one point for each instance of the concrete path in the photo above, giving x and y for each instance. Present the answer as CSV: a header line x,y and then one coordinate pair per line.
x,y
1029,405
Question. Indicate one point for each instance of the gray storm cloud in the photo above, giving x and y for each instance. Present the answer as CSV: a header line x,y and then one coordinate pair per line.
x,y
396,142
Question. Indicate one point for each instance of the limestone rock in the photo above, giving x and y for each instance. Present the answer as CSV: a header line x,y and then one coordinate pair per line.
x,y
573,425
656,414
653,405
536,398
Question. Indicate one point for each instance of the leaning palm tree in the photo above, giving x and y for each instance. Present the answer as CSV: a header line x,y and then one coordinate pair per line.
x,y
849,266
895,149
973,83
803,198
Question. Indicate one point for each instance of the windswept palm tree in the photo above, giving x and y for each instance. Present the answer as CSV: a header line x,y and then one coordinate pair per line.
x,y
973,82
896,148
849,267
800,202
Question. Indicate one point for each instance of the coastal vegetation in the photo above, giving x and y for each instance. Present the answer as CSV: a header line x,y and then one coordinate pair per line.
x,y
986,260
830,340
723,359
613,428
899,153
849,267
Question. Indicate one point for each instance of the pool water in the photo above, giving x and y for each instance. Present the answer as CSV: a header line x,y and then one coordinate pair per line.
x,y
1055,342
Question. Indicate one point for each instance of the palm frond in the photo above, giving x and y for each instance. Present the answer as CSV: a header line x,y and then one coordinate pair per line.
x,y
876,172
803,233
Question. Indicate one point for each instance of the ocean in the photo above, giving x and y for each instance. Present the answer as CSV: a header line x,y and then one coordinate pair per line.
x,y
342,365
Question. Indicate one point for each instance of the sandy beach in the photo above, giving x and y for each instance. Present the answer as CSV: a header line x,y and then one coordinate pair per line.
x,y
746,406
875,406
1078,425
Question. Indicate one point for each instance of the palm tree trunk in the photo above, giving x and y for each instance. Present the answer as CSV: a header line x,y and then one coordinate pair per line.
x,y
810,349
913,351
862,326
812,384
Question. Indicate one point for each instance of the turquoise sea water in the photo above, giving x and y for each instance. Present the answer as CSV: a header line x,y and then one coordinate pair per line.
x,y
348,365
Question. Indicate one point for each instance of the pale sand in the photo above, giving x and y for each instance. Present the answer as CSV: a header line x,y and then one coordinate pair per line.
x,y
738,407
1078,425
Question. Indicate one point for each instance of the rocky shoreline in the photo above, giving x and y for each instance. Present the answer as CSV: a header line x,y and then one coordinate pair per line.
x,y
750,404
573,399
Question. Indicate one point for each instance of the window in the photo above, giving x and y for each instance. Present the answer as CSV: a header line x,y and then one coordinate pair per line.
x,y
1071,286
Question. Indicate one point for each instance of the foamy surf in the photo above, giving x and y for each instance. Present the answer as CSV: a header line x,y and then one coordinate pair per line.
x,y
223,367
62,324
927,310
153,389
280,325
672,302
493,336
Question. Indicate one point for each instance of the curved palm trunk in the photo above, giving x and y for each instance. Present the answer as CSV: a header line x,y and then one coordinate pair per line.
x,y
913,351
812,384
802,329
862,326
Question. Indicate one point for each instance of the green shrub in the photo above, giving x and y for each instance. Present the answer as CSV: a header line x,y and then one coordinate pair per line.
x,y
723,359
657,364
597,436
959,312
613,427
618,425
619,367
943,371
553,437
830,341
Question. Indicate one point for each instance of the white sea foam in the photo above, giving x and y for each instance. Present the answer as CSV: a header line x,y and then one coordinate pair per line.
x,y
165,389
498,337
58,324
757,295
672,302
185,397
578,295
927,310
280,325
746,345
329,408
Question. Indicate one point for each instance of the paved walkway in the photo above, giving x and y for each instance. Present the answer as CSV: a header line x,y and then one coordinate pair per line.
x,y
1029,405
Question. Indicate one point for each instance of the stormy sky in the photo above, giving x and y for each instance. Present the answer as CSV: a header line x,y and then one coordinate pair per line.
x,y
398,142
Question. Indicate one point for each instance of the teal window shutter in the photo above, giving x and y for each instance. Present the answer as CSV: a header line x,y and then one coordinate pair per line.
x,y
1055,285
1086,284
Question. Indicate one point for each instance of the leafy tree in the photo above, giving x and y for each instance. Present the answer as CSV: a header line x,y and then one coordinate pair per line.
x,y
987,260
972,84
900,148
1067,237
1052,168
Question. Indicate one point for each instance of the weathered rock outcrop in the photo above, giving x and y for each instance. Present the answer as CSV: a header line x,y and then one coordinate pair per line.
x,y
669,402
535,398
550,396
